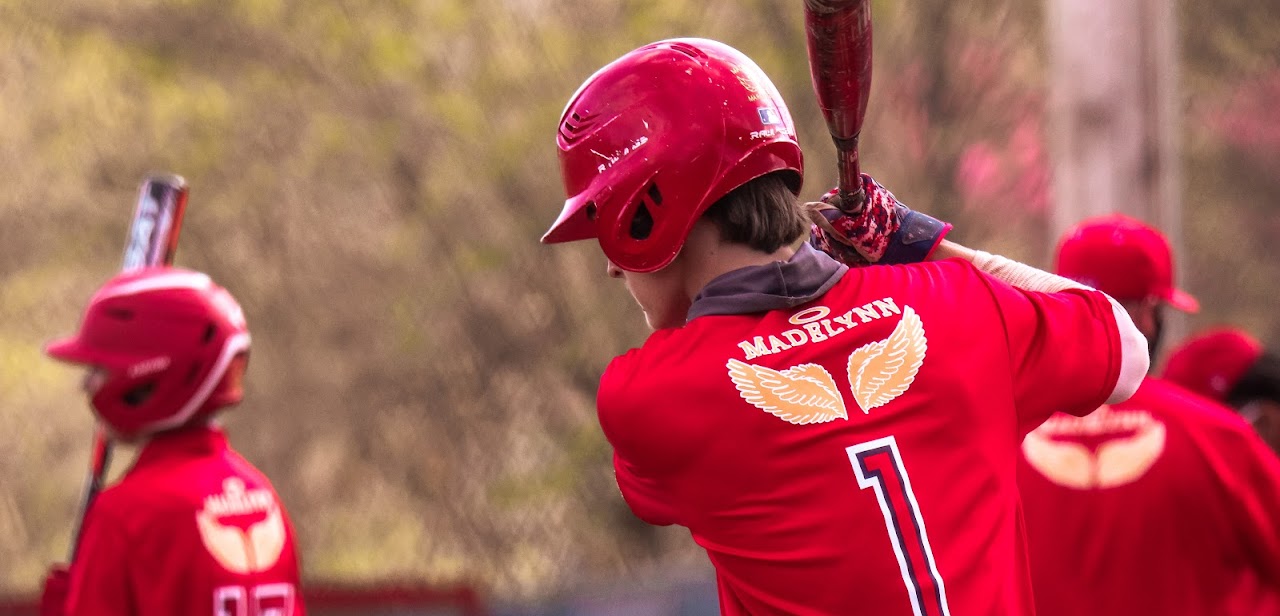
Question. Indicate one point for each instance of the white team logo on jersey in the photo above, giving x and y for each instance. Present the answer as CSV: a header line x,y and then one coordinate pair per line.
x,y
1103,449
245,547
878,373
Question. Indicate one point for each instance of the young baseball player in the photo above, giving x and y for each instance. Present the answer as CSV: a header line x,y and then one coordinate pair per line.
x,y
1158,505
1232,367
192,528
840,440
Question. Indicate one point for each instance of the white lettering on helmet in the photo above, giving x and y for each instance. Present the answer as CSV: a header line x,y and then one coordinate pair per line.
x,y
147,367
612,159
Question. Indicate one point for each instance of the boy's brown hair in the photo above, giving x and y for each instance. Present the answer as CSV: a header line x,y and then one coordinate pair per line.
x,y
764,213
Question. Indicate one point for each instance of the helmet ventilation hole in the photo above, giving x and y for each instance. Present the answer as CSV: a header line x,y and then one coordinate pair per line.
x,y
655,195
574,126
119,313
209,331
688,50
591,211
138,395
642,222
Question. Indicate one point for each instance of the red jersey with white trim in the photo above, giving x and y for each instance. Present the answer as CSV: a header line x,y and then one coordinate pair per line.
x,y
1164,504
191,529
845,442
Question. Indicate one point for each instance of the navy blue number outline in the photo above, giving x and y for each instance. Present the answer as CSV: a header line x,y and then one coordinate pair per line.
x,y
868,478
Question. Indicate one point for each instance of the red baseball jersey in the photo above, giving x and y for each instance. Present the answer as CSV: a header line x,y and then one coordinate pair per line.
x,y
845,442
1252,597
1164,504
191,529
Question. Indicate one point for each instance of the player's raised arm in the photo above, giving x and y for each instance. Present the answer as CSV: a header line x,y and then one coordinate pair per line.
x,y
1135,359
888,232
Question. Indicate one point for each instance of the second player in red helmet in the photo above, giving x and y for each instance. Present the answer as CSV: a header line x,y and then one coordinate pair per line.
x,y
192,527
840,440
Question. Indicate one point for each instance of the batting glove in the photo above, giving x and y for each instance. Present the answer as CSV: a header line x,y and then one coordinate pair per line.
x,y
882,231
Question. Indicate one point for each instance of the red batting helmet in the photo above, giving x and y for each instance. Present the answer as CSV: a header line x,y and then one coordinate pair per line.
x,y
1124,258
655,137
1212,363
164,337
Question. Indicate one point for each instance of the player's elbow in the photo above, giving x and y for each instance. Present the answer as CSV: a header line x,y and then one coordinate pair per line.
x,y
1135,360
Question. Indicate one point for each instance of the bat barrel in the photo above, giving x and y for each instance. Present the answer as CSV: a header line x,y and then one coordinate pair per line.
x,y
839,45
157,220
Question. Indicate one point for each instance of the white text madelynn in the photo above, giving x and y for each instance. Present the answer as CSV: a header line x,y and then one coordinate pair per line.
x,y
814,329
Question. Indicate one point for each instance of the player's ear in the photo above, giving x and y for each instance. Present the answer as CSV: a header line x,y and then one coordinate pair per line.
x,y
1266,421
230,389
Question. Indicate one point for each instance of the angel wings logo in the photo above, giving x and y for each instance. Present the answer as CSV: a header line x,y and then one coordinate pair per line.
x,y
242,529
878,373
1104,449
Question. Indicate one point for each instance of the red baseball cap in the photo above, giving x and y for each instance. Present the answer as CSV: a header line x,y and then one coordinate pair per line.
x,y
1212,363
1124,258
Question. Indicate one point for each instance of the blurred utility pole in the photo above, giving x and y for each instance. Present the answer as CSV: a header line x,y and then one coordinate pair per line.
x,y
1114,116
1114,112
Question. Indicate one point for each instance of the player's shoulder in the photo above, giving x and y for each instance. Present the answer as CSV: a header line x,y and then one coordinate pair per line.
x,y
953,269
633,372
943,287
955,276
113,500
630,361
242,469
129,506
1201,414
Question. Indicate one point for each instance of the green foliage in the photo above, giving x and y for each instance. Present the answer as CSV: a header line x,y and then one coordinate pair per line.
x,y
371,179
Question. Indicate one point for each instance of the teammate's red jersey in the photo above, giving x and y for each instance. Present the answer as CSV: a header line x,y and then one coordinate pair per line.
x,y
845,442
1250,597
1159,505
191,529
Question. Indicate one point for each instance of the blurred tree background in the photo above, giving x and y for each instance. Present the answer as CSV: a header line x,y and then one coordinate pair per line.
x,y
370,178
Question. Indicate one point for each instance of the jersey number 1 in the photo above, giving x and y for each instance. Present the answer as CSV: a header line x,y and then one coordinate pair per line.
x,y
879,466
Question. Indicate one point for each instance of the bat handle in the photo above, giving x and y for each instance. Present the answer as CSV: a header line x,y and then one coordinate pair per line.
x,y
852,194
100,461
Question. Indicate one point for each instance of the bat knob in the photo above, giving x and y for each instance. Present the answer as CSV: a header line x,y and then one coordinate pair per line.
x,y
849,202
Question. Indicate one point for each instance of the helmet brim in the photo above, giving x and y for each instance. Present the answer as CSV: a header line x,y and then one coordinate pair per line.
x,y
572,225
1182,300
73,350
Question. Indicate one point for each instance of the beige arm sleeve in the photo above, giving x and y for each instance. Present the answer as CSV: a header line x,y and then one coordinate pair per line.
x,y
1134,357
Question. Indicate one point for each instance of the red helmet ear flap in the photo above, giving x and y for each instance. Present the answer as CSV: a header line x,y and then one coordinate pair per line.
x,y
644,234
230,388
201,381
